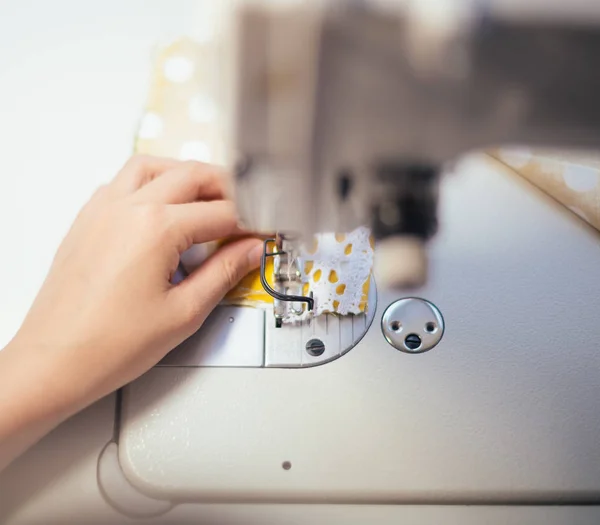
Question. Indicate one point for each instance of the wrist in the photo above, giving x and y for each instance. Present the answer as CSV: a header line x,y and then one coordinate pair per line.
x,y
34,385
32,401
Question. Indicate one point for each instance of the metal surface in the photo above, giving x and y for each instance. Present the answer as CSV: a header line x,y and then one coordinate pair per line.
x,y
120,494
237,336
287,346
230,336
412,325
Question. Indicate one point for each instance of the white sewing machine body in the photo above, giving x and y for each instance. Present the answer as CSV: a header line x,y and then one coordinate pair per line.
x,y
497,423
491,414
501,412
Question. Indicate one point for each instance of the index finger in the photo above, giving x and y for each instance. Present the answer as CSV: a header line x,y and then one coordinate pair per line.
x,y
189,182
204,221
139,170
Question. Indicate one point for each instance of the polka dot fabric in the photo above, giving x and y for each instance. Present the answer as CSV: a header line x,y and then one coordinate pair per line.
x,y
572,179
182,120
337,270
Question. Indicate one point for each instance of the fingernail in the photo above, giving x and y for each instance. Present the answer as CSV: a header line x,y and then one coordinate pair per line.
x,y
254,255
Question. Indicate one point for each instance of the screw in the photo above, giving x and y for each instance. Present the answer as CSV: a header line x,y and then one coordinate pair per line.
x,y
315,347
412,341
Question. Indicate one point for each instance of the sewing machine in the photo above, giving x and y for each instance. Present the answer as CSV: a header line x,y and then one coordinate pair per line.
x,y
354,108
345,114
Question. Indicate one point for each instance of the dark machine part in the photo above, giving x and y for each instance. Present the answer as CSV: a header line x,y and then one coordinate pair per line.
x,y
405,202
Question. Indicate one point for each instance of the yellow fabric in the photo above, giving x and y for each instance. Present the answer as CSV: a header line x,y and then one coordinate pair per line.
x,y
181,120
249,292
573,179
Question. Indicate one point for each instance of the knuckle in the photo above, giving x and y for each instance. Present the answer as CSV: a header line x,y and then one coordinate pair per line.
x,y
138,161
228,215
194,166
153,217
191,165
194,173
230,272
194,310
136,168
102,192
100,197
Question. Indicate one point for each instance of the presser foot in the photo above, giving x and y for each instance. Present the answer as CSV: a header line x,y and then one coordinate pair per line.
x,y
289,302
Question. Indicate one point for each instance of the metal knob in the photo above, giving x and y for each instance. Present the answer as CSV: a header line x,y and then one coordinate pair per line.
x,y
412,325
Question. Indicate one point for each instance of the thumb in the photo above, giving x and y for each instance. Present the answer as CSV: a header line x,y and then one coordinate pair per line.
x,y
209,283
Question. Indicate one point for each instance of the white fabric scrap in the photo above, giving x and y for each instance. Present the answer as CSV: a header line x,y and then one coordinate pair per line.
x,y
352,269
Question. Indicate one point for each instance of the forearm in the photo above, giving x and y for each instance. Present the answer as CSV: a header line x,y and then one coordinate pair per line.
x,y
34,397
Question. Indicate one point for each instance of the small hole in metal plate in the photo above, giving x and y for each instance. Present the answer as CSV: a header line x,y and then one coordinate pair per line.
x,y
430,327
396,326
286,465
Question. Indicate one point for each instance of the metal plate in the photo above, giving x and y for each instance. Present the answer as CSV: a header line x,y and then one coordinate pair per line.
x,y
412,325
287,346
230,336
238,336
